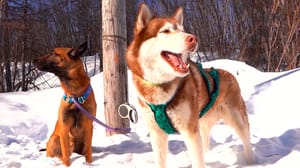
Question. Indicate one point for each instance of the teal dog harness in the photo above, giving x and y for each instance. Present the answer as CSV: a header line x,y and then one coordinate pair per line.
x,y
159,110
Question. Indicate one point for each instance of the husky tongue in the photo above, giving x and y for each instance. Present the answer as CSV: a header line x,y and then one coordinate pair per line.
x,y
176,61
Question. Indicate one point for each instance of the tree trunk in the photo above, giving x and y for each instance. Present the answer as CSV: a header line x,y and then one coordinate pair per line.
x,y
114,67
1,42
24,53
1,51
5,49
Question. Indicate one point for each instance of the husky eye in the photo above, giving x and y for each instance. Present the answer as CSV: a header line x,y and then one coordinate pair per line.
x,y
165,31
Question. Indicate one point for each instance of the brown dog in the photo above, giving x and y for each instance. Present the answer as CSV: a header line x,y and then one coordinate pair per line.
x,y
73,130
172,90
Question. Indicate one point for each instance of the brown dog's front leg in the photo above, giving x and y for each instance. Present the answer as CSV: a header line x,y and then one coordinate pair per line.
x,y
65,145
88,142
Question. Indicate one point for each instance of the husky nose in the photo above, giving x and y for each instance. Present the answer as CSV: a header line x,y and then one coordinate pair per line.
x,y
191,39
191,42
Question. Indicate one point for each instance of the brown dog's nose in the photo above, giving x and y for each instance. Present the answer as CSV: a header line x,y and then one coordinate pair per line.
x,y
191,39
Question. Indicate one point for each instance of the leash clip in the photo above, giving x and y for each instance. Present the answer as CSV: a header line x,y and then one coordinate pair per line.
x,y
81,100
128,111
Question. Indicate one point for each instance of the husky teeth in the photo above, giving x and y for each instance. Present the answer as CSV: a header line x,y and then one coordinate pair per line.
x,y
187,65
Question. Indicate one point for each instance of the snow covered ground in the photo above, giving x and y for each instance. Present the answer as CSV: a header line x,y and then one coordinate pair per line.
x,y
27,119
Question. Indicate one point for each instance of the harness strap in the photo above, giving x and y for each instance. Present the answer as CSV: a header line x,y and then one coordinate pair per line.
x,y
212,94
160,114
162,118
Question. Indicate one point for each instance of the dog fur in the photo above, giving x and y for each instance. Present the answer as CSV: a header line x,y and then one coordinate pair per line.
x,y
158,57
73,130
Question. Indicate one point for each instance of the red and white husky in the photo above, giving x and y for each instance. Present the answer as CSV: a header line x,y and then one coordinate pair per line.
x,y
158,57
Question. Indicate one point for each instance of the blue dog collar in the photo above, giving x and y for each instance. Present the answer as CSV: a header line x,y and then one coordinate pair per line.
x,y
81,99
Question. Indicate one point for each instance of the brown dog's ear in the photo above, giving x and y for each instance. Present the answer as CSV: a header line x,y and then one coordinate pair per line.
x,y
178,15
74,53
143,17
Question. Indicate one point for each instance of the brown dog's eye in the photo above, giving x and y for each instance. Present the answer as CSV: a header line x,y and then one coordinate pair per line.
x,y
55,54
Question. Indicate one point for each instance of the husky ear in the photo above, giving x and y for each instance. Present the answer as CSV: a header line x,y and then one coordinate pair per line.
x,y
143,17
178,15
74,53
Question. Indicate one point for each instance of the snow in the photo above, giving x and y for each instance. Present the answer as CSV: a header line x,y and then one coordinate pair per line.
x,y
27,120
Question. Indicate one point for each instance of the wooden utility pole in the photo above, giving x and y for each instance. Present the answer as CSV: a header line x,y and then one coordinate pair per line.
x,y
114,66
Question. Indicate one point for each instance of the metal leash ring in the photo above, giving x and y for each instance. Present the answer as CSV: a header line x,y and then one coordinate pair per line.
x,y
128,111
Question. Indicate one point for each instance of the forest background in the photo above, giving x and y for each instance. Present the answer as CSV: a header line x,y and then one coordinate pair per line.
x,y
262,33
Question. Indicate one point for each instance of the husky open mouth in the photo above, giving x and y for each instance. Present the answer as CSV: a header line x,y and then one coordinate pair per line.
x,y
175,60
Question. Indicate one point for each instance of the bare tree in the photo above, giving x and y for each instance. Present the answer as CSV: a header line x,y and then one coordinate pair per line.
x,y
5,47
264,34
2,6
